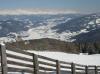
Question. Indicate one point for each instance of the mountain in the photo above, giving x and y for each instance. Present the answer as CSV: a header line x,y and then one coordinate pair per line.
x,y
32,26
92,36
86,28
53,32
64,27
85,22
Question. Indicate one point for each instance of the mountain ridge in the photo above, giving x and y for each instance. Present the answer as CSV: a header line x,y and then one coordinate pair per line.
x,y
60,26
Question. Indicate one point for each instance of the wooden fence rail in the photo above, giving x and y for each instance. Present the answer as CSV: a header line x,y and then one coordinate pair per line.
x,y
15,60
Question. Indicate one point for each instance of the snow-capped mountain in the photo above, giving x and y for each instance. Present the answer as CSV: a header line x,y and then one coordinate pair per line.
x,y
92,36
32,26
58,26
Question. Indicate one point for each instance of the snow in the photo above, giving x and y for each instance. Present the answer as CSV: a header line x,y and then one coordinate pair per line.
x,y
98,21
45,28
76,58
83,59
91,22
84,31
46,31
6,39
1,43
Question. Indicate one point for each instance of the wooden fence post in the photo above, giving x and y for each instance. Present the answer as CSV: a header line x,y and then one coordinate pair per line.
x,y
86,69
36,64
3,59
23,72
96,72
73,68
57,67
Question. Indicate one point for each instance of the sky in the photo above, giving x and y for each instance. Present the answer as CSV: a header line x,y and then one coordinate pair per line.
x,y
84,6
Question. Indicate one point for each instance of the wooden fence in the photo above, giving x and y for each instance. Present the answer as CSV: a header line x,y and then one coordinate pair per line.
x,y
15,60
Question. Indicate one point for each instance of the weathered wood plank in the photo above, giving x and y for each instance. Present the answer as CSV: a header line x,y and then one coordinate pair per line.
x,y
46,58
19,57
3,59
21,51
63,62
57,67
86,69
36,64
19,64
79,68
96,70
46,63
73,68
91,66
13,69
46,68
80,65
67,67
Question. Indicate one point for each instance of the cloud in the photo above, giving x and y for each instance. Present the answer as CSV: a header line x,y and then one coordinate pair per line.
x,y
35,11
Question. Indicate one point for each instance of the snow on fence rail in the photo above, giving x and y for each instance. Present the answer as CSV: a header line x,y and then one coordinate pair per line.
x,y
15,60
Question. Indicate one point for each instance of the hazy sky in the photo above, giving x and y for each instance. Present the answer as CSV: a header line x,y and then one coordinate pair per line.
x,y
77,5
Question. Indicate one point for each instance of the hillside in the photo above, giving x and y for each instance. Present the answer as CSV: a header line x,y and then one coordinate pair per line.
x,y
92,36
44,44
47,44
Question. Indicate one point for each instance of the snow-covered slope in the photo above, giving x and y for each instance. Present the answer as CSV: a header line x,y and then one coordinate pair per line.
x,y
76,58
57,26
33,26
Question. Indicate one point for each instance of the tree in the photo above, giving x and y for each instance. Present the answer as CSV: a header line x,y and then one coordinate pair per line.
x,y
18,38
